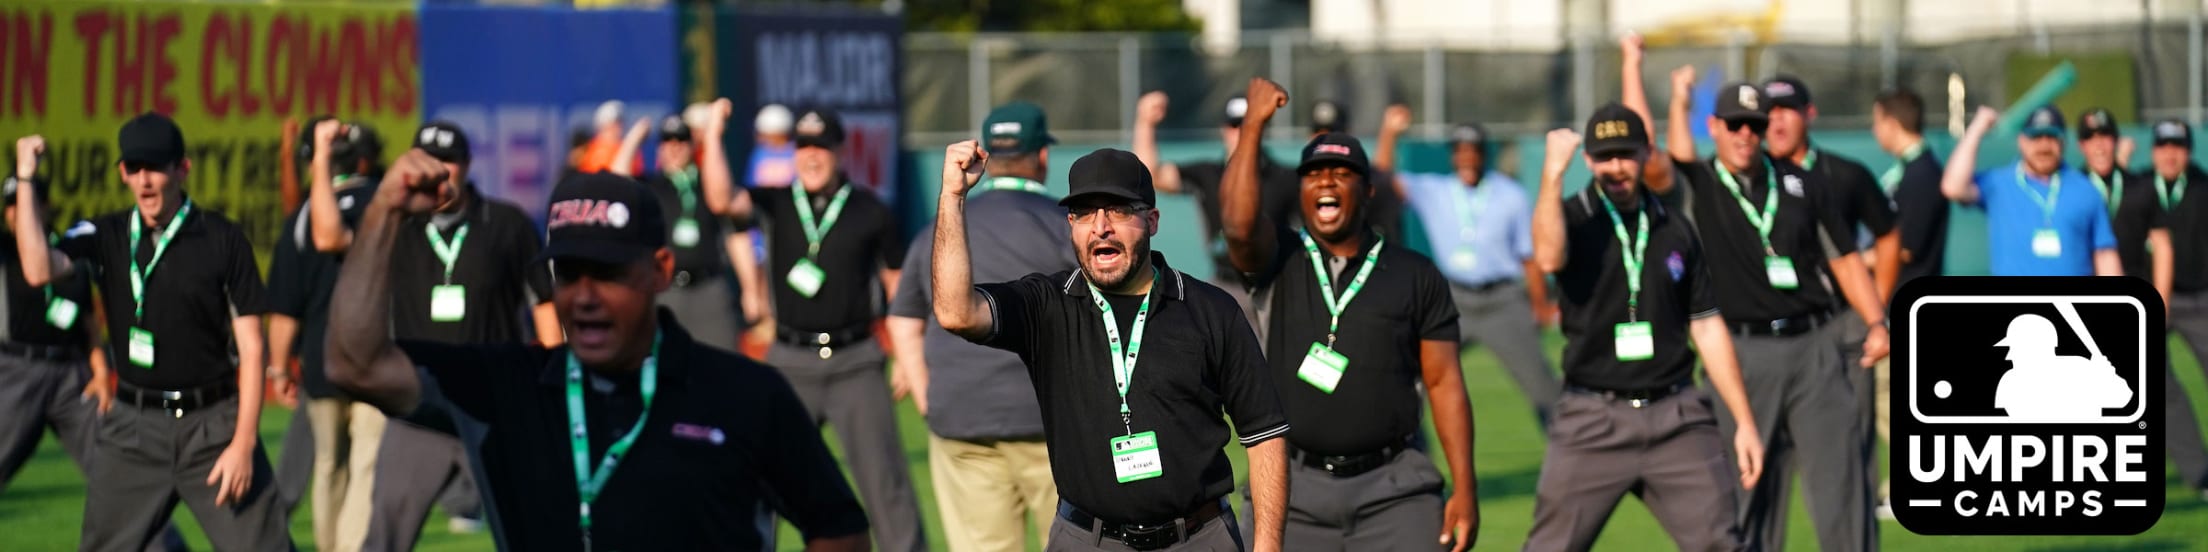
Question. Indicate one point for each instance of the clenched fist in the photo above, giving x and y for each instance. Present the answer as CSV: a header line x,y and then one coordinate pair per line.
x,y
1266,97
1682,81
1396,120
1562,143
27,150
1150,110
963,164
415,184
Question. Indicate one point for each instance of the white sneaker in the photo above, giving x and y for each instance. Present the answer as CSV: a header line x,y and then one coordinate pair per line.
x,y
464,526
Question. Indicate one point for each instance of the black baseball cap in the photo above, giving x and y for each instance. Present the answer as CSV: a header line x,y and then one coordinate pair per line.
x,y
2096,122
2173,132
1742,101
602,217
1017,127
1468,133
152,139
2044,122
1334,148
362,142
1237,107
819,128
1786,91
443,140
1615,129
672,129
1328,116
1110,172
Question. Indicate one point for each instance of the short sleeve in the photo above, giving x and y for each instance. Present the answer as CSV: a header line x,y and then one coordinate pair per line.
x,y
1835,234
1287,249
1871,204
286,274
1521,223
1699,301
242,281
912,300
806,486
1437,310
1991,184
1923,207
81,243
1243,374
352,204
1014,309
886,244
2103,236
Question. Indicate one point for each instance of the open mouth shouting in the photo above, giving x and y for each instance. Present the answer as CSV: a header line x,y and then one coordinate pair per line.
x,y
1327,209
1106,257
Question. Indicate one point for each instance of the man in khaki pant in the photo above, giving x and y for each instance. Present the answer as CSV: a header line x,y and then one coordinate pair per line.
x,y
985,442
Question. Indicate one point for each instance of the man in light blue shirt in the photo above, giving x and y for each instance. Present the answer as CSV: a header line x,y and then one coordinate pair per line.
x,y
2043,218
1479,224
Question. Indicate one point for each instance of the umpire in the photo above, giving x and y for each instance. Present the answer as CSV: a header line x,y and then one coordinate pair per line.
x,y
1362,477
2186,217
1631,419
189,423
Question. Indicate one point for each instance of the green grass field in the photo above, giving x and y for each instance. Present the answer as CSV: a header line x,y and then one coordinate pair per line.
x,y
43,507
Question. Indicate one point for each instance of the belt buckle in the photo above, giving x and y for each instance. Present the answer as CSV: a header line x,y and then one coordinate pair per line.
x,y
1778,325
1636,403
682,278
1142,537
1637,399
822,340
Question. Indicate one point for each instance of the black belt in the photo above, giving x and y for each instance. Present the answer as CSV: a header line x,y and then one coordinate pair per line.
x,y
1140,536
1783,327
1486,287
1636,397
1350,465
176,402
827,342
41,352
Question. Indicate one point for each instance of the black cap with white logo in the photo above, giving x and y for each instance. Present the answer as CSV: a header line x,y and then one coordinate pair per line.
x,y
818,128
2096,122
602,217
1335,148
1741,101
444,141
1468,133
673,129
2173,132
1786,91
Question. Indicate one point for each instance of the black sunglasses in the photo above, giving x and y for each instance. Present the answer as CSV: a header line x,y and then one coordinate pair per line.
x,y
1753,125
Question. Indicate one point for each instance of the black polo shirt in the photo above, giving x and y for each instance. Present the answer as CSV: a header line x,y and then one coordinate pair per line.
x,y
976,393
862,242
497,264
301,279
27,307
1592,294
1198,359
1808,229
205,279
2133,215
1923,211
2188,221
1404,301
1279,188
707,257
726,444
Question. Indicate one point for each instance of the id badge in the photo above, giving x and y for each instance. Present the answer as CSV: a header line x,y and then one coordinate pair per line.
x,y
2046,244
1135,457
1636,341
1781,271
448,303
141,348
1322,368
62,313
686,232
806,278
1463,260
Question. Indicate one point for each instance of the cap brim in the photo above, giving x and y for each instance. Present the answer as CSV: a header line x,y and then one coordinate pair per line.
x,y
2187,142
1114,194
1617,147
594,250
1317,161
148,158
1758,116
816,142
2043,132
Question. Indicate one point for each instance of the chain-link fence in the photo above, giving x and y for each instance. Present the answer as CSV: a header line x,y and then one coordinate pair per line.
x,y
1089,82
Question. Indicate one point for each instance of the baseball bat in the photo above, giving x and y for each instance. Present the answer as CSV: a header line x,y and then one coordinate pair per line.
x,y
2070,314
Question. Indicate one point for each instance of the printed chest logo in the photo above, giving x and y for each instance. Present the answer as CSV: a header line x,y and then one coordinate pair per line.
x,y
1678,266
2028,406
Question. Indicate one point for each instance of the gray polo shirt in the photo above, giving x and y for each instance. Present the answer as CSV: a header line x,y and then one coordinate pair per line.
x,y
974,392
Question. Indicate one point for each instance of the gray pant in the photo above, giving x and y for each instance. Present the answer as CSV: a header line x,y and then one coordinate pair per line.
x,y
1802,402
2189,319
1396,506
850,391
1502,319
416,466
148,458
1218,535
295,468
1668,452
47,395
708,310
1851,333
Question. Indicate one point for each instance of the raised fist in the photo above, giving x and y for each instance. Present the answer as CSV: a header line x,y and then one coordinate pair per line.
x,y
325,132
1682,80
1266,97
1150,110
415,184
1396,120
1630,46
27,150
1983,120
963,164
1561,143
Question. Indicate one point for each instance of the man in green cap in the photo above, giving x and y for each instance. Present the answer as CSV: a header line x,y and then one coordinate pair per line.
x,y
985,431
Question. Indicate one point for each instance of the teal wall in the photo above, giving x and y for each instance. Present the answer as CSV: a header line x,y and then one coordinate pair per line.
x,y
1179,238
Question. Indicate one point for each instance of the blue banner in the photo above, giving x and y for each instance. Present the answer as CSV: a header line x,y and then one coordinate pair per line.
x,y
848,61
522,80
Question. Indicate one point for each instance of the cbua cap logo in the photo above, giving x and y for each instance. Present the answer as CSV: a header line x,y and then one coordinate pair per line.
x,y
587,212
1336,149
2028,406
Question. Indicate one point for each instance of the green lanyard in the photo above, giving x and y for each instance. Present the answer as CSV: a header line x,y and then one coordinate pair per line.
x,y
1123,360
587,484
160,245
449,252
1762,220
1015,183
1469,203
2170,198
1634,258
1809,160
1892,179
2114,194
2046,202
1335,305
685,181
813,233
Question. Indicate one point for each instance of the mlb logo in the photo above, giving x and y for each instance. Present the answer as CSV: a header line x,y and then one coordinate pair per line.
x,y
2027,406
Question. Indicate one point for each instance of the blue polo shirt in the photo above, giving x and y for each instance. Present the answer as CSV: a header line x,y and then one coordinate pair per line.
x,y
1480,234
2015,214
